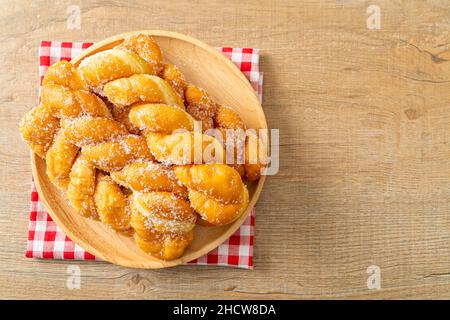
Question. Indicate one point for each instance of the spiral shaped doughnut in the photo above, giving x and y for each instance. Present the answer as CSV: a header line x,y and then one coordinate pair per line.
x,y
216,190
111,203
200,106
252,147
141,88
120,138
163,223
175,78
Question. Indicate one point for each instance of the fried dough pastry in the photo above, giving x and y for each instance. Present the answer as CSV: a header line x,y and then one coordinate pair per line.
x,y
81,188
160,118
37,128
141,88
111,203
91,130
185,148
63,73
216,191
122,115
181,147
217,181
166,246
63,95
227,118
105,144
145,47
63,102
59,159
149,176
163,223
138,54
175,78
200,106
254,150
212,115
69,118
256,157
116,154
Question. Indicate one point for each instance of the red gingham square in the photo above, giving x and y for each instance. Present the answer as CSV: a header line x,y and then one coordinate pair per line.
x,y
45,238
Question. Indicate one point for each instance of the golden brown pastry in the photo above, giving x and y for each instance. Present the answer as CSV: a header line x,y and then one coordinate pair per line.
x,y
63,102
227,118
37,128
145,47
163,223
149,176
181,147
175,78
121,115
255,157
137,161
160,118
116,154
185,148
200,106
59,159
70,119
141,88
111,203
136,55
81,188
245,143
63,95
216,191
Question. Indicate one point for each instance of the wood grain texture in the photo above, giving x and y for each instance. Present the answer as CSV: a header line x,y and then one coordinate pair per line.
x,y
364,119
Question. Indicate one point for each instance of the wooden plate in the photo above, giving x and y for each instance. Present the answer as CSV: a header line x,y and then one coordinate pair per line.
x,y
205,67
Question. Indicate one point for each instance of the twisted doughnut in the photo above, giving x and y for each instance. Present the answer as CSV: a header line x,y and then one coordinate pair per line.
x,y
103,152
204,109
175,78
255,151
138,54
200,106
216,191
111,203
184,146
63,96
141,88
81,188
163,223
68,119
212,115
149,176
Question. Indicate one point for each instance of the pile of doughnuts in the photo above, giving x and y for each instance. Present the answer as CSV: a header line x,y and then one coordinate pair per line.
x,y
119,135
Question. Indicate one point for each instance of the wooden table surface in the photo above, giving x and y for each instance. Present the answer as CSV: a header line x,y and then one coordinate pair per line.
x,y
364,118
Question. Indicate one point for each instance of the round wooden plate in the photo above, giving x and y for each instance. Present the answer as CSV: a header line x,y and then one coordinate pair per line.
x,y
205,67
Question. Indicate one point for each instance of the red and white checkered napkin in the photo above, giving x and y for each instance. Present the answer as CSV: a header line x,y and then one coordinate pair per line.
x,y
45,238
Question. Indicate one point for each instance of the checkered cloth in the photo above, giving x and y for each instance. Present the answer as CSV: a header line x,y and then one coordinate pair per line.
x,y
45,238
